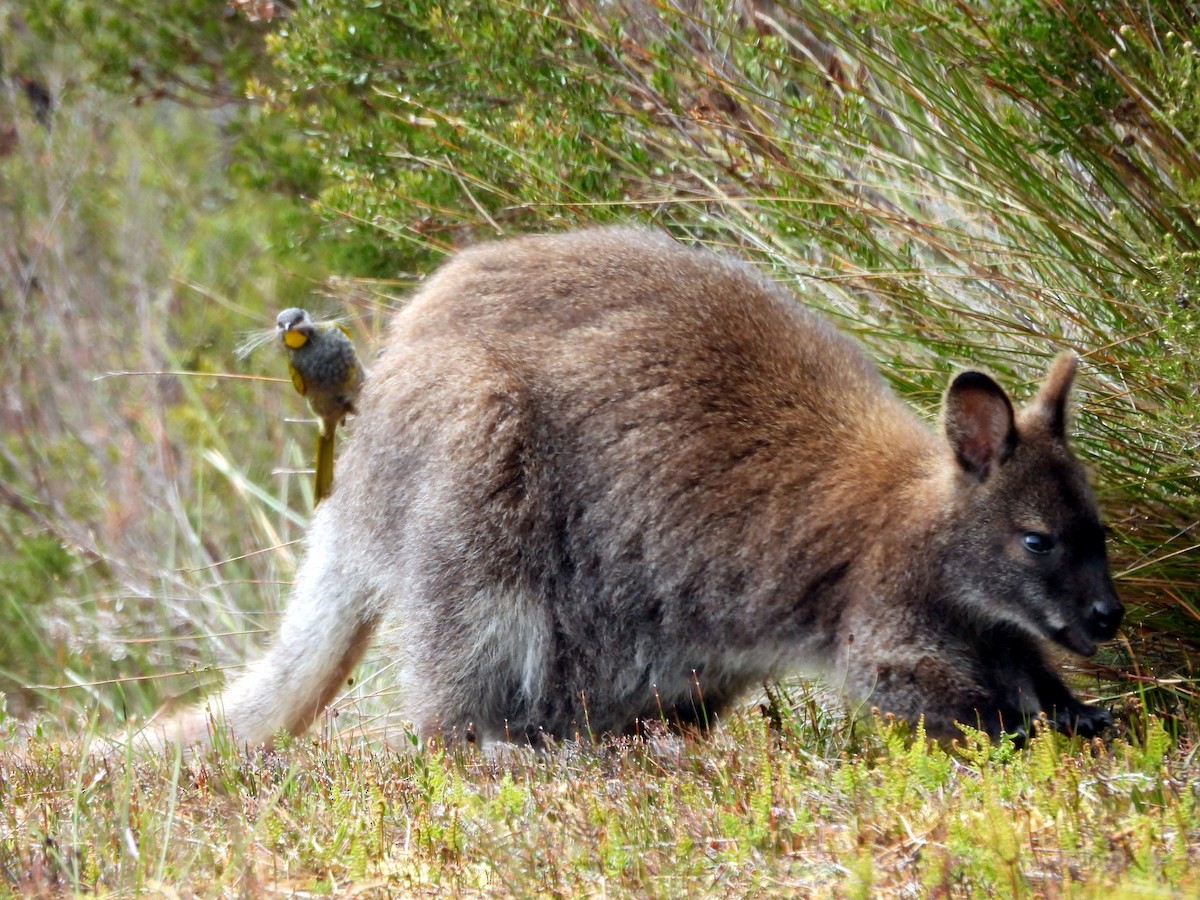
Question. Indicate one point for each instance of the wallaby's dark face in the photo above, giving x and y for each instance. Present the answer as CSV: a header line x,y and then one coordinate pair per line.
x,y
1032,549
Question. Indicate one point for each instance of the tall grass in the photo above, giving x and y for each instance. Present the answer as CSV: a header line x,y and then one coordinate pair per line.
x,y
130,274
956,185
913,168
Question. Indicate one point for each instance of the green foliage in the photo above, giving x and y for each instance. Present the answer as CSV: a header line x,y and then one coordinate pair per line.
x,y
37,570
195,52
429,118
41,564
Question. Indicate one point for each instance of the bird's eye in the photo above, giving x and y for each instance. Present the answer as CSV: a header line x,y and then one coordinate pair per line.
x,y
1036,542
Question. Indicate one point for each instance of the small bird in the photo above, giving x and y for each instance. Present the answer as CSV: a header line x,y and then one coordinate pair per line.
x,y
326,372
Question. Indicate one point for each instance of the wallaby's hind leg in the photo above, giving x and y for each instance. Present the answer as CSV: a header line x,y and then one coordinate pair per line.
x,y
327,627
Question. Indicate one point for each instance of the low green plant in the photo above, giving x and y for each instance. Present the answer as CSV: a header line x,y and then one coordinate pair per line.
x,y
745,810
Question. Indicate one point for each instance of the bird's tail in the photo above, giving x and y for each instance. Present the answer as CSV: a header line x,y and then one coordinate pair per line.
x,y
324,477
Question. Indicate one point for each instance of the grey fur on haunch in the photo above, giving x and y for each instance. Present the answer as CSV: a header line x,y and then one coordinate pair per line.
x,y
601,477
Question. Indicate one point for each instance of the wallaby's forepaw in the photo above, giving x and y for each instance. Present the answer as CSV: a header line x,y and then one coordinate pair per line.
x,y
1083,721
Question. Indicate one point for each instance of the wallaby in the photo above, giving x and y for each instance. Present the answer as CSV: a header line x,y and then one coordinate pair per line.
x,y
601,478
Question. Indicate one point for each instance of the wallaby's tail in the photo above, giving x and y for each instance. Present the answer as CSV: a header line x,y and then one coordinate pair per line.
x,y
327,627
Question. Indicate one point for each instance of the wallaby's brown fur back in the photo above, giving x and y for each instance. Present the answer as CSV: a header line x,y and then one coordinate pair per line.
x,y
601,477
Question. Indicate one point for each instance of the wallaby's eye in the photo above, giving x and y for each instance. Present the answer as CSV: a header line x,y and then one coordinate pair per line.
x,y
1036,542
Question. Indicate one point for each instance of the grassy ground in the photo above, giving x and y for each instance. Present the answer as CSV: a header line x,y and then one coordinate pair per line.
x,y
784,805
947,203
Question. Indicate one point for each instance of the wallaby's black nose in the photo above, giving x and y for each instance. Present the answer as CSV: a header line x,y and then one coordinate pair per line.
x,y
1106,617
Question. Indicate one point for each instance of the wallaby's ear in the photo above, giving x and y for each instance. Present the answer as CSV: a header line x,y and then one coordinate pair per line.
x,y
979,423
1049,404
